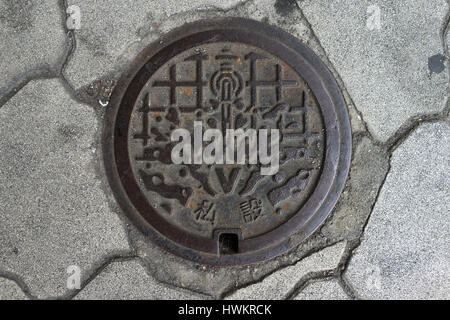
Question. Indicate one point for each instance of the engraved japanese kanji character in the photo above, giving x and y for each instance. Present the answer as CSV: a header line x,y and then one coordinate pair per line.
x,y
251,209
205,212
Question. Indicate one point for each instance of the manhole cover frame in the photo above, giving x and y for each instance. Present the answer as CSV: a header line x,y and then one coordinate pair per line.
x,y
330,100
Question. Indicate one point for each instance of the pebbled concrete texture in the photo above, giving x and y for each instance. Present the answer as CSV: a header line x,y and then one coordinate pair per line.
x,y
9,290
386,70
404,253
32,40
127,280
277,285
53,212
322,290
113,33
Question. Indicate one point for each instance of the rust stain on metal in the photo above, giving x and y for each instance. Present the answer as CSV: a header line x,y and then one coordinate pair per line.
x,y
227,214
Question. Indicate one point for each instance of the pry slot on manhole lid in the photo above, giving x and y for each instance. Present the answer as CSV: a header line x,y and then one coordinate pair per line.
x,y
195,85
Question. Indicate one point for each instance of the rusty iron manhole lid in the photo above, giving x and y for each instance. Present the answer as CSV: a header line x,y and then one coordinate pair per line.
x,y
227,74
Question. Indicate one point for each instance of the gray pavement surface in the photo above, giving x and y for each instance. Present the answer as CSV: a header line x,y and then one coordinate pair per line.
x,y
387,237
33,42
323,290
129,280
53,212
280,284
405,245
387,71
9,290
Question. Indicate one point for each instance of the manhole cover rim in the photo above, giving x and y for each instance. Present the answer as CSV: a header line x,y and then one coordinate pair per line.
x,y
276,241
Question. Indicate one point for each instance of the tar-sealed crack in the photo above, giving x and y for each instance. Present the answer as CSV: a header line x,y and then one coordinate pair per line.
x,y
19,282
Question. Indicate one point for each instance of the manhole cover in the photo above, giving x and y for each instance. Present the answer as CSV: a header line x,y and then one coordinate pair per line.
x,y
201,200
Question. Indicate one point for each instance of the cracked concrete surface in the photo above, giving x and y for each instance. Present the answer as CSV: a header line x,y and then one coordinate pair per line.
x,y
113,33
390,226
404,250
53,212
33,42
130,280
386,70
278,284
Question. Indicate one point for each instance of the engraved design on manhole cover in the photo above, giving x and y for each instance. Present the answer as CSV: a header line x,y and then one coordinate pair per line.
x,y
222,79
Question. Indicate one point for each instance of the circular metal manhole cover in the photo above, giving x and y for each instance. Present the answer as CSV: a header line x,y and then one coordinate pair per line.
x,y
213,76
